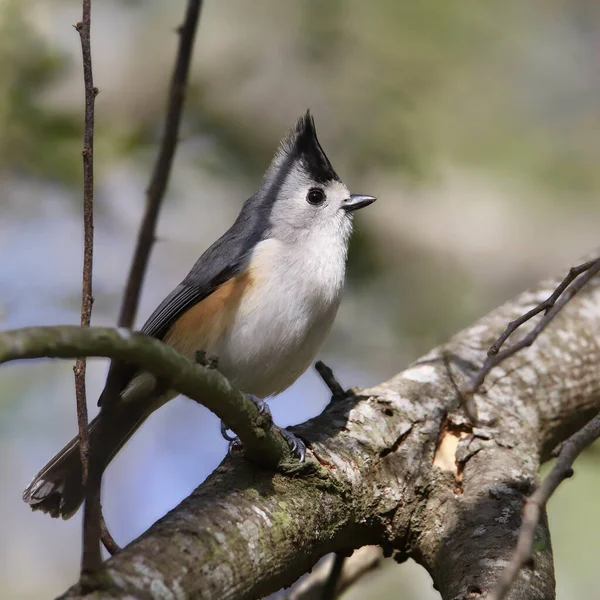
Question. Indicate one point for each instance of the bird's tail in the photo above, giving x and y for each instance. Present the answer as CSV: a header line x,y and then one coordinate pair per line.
x,y
58,488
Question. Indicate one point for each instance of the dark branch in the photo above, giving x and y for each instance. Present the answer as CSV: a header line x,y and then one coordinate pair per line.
x,y
569,286
162,167
158,183
535,505
262,440
312,587
337,391
107,539
91,559
330,589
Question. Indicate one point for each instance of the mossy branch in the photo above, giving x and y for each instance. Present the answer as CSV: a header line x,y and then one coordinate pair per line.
x,y
403,468
262,440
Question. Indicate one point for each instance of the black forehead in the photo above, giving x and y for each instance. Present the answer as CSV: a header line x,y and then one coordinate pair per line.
x,y
304,146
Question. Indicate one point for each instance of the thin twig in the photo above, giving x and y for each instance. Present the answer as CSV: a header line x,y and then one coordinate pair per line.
x,y
466,400
107,539
91,558
563,469
162,167
158,184
571,284
329,378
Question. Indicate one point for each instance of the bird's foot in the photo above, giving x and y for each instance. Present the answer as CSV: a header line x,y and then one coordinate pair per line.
x,y
263,409
225,433
297,446
261,405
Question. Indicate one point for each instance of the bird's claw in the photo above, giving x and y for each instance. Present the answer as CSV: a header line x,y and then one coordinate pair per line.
x,y
261,405
234,445
263,409
297,446
225,433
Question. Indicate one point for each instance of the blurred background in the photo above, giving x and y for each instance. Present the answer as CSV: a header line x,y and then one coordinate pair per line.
x,y
476,124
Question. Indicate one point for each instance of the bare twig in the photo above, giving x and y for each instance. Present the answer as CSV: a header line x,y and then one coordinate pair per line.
x,y
329,378
313,586
570,450
158,185
162,167
571,284
466,400
91,558
107,539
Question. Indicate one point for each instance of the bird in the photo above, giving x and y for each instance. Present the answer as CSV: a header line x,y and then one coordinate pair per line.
x,y
262,300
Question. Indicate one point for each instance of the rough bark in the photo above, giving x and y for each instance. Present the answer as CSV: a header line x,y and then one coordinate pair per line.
x,y
396,465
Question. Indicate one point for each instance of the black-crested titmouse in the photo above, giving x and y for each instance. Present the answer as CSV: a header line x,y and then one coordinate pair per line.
x,y
261,299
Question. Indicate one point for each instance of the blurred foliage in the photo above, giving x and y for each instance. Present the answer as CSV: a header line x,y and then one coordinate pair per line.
x,y
405,76
236,146
33,140
400,90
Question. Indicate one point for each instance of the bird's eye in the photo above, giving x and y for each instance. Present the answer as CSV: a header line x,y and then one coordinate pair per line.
x,y
315,197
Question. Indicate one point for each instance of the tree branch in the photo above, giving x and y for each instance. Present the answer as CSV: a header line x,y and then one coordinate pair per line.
x,y
576,278
156,190
162,167
261,439
313,586
535,505
107,539
332,585
399,466
337,391
91,559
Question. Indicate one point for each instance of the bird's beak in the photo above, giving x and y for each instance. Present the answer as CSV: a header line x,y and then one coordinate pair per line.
x,y
357,201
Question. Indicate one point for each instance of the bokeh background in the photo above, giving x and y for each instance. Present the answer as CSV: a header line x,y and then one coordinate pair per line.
x,y
476,124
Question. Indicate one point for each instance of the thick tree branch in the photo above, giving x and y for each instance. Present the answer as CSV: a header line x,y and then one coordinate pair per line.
x,y
261,439
91,559
400,466
563,469
575,280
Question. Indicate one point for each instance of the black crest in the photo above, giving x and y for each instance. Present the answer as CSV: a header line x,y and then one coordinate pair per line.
x,y
302,144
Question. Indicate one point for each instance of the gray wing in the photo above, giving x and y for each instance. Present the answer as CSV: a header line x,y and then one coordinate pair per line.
x,y
223,260
183,297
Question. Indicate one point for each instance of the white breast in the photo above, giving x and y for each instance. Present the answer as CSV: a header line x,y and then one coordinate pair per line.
x,y
285,316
